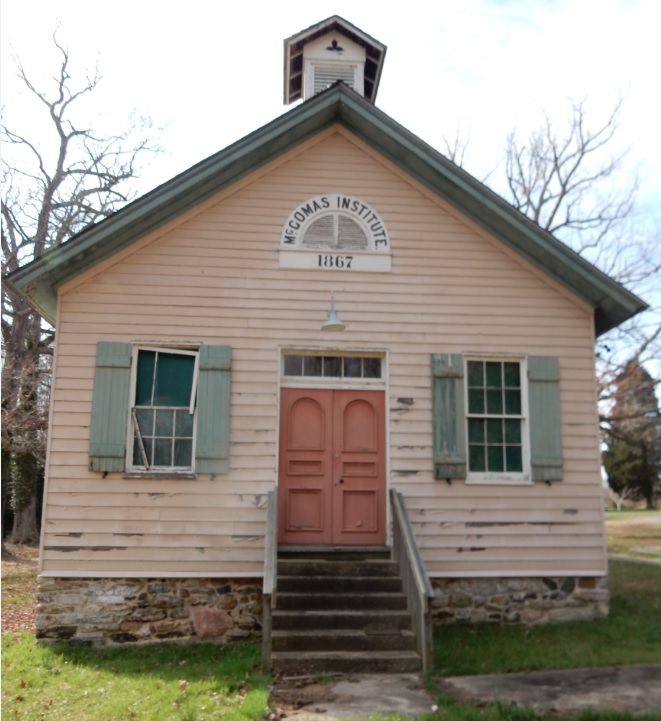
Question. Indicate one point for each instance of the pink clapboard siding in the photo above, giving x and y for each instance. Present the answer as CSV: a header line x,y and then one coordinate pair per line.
x,y
213,277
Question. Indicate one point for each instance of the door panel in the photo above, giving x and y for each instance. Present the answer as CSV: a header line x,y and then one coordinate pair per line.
x,y
359,467
332,467
306,437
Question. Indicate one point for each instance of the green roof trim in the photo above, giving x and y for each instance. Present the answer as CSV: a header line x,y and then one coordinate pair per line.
x,y
39,280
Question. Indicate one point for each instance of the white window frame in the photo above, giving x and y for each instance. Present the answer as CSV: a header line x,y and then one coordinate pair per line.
x,y
156,470
303,381
487,477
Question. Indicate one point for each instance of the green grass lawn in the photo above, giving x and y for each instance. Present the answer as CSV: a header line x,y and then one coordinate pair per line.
x,y
631,634
156,683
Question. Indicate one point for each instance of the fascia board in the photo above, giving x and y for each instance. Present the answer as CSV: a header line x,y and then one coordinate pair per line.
x,y
612,302
40,279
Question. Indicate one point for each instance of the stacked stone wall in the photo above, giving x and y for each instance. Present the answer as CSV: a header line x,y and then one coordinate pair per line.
x,y
107,611
526,601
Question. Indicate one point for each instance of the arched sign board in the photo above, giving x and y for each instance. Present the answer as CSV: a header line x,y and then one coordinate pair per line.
x,y
335,232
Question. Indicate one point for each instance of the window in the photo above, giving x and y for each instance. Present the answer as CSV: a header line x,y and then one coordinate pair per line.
x,y
496,420
163,412
341,367
160,411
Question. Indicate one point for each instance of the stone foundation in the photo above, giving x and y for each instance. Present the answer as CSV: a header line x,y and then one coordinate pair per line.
x,y
526,601
106,611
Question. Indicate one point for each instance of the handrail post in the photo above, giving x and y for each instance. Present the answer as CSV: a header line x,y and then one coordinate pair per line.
x,y
417,586
269,591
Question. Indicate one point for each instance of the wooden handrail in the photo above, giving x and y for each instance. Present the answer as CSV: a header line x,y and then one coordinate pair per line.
x,y
269,594
417,586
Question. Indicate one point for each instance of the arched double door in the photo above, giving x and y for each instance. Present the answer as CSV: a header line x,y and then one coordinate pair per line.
x,y
332,472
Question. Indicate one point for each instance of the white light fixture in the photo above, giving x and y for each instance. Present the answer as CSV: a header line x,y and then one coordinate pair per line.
x,y
333,322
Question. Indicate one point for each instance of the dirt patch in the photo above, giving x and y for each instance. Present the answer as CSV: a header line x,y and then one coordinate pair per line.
x,y
293,692
19,588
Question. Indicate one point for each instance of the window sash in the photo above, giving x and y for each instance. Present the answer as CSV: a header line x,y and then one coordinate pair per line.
x,y
148,448
496,421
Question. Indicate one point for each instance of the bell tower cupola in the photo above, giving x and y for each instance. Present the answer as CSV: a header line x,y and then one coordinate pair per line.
x,y
329,51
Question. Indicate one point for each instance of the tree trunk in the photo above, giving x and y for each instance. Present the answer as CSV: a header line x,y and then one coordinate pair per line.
x,y
25,528
24,500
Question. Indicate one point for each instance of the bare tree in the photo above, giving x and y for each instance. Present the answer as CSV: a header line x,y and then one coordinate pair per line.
x,y
567,182
455,149
52,189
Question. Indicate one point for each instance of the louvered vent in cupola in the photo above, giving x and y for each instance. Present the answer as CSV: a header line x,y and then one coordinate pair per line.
x,y
331,51
326,75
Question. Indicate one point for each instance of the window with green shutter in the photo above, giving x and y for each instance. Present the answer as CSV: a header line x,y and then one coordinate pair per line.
x,y
160,410
163,416
496,420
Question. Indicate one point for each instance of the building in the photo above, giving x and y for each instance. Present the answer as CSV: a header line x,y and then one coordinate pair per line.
x,y
194,375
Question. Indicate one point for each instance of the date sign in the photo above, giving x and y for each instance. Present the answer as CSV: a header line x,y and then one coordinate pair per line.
x,y
365,262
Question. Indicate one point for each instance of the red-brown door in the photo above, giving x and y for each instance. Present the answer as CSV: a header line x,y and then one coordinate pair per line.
x,y
332,467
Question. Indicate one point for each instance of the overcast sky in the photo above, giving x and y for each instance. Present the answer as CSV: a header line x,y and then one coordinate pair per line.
x,y
208,73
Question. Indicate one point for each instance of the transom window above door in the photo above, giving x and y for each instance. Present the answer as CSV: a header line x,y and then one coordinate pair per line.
x,y
349,368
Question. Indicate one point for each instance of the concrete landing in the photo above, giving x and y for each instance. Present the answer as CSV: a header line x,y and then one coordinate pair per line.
x,y
359,696
632,689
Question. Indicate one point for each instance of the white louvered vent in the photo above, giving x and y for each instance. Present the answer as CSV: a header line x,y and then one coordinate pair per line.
x,y
321,233
335,232
326,75
350,235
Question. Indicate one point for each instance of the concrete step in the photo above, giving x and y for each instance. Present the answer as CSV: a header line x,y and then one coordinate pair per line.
x,y
343,640
341,601
335,553
341,567
338,619
347,661
339,584
342,611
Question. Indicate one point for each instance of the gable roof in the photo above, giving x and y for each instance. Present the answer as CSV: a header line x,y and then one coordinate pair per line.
x,y
39,280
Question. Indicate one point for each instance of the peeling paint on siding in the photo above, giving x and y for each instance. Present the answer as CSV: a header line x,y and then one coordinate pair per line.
x,y
73,549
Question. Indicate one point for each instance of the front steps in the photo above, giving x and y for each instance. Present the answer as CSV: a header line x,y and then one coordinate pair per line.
x,y
341,612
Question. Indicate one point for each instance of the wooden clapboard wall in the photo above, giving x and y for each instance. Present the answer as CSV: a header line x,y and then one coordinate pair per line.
x,y
213,277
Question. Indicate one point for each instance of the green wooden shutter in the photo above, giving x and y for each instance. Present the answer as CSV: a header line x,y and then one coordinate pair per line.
x,y
213,410
448,415
110,407
544,406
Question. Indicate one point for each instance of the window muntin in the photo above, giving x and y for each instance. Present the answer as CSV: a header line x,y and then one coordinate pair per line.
x,y
495,420
339,367
163,413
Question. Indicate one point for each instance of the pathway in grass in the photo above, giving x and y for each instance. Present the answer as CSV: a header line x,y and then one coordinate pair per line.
x,y
636,534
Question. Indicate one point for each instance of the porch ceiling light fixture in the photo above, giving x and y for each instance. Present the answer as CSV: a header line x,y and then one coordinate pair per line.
x,y
333,322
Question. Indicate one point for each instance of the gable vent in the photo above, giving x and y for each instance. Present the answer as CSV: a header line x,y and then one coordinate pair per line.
x,y
326,75
335,232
